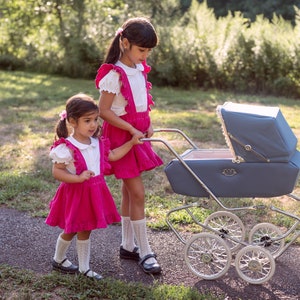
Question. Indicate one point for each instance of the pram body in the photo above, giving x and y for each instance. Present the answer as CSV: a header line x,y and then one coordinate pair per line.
x,y
227,178
262,161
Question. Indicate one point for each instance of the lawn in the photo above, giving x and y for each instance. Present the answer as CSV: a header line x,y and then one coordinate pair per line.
x,y
29,108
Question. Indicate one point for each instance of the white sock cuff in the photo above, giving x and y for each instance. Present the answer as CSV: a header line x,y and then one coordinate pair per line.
x,y
61,240
83,242
137,222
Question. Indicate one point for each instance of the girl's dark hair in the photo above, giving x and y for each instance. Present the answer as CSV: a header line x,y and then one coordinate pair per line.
x,y
76,107
138,31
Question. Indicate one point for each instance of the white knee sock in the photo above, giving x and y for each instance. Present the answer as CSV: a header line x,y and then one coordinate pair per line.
x,y
61,249
83,252
127,234
140,231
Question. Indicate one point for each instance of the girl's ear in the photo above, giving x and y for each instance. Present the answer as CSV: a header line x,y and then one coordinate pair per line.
x,y
72,122
125,44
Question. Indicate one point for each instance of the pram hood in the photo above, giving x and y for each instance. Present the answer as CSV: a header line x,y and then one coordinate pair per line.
x,y
257,133
262,160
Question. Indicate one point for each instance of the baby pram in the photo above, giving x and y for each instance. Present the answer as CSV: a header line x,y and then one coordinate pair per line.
x,y
261,161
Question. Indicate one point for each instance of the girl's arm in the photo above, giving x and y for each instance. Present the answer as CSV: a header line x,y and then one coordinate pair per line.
x,y
60,172
105,103
119,152
150,131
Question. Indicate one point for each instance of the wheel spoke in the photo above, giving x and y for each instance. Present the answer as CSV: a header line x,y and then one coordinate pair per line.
x,y
228,225
207,256
255,264
266,235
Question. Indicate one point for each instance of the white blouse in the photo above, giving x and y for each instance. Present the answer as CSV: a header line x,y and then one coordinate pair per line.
x,y
91,154
111,84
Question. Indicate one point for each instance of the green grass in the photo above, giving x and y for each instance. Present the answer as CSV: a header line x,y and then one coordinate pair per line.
x,y
29,108
26,285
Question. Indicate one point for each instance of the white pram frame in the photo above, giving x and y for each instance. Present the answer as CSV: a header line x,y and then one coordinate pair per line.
x,y
209,254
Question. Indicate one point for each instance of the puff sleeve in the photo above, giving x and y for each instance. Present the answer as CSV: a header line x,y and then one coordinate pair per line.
x,y
61,154
110,83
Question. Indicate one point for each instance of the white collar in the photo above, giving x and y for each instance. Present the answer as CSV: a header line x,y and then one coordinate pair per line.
x,y
129,70
81,146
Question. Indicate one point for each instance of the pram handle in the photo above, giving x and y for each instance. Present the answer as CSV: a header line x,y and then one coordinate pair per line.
x,y
172,150
177,131
295,197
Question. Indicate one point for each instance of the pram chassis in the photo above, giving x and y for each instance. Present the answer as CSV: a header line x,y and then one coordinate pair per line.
x,y
255,262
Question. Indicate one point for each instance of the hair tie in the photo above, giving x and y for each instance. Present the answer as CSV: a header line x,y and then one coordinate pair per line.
x,y
119,31
63,115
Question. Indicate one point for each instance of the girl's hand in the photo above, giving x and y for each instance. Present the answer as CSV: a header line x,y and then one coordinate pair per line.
x,y
149,132
86,175
61,173
135,140
134,132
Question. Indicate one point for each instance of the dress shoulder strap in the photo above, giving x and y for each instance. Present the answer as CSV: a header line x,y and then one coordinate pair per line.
x,y
147,69
79,161
125,88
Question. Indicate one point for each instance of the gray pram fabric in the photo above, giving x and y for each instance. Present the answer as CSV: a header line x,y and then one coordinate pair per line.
x,y
261,161
257,133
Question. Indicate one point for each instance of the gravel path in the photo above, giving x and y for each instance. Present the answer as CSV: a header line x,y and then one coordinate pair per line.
x,y
28,243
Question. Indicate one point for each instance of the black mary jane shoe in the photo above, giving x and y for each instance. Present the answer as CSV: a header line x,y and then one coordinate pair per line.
x,y
95,275
125,254
151,268
72,269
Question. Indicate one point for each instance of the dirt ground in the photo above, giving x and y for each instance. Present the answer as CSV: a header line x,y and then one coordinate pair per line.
x,y
28,243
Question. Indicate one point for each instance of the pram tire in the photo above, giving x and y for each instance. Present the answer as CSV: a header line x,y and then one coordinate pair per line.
x,y
254,264
207,255
261,235
227,223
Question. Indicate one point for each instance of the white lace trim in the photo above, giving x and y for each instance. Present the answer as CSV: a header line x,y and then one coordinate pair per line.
x,y
110,83
224,130
61,155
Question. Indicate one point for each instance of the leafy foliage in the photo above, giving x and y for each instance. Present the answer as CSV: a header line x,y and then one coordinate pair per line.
x,y
254,49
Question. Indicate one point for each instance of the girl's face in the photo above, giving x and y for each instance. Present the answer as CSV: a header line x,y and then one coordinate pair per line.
x,y
133,54
85,127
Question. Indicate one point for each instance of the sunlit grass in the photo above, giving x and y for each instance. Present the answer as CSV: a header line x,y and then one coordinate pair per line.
x,y
29,108
21,284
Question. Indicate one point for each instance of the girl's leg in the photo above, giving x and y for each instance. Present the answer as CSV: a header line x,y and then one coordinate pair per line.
x,y
134,206
136,195
128,243
83,244
60,261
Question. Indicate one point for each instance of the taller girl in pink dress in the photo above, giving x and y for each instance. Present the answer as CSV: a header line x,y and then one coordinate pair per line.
x,y
83,201
124,106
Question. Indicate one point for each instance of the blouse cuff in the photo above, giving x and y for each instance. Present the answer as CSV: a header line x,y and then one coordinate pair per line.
x,y
61,155
110,83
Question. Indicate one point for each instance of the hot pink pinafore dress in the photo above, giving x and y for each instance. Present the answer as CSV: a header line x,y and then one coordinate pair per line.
x,y
141,157
87,205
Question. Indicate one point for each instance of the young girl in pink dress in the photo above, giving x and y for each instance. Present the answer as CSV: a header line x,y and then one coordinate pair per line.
x,y
124,106
83,201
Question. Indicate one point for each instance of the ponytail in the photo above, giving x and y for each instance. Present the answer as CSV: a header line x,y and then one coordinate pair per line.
x,y
61,129
138,31
76,106
114,51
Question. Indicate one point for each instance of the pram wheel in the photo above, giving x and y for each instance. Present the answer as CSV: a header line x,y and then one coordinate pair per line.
x,y
207,255
255,264
227,223
263,234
